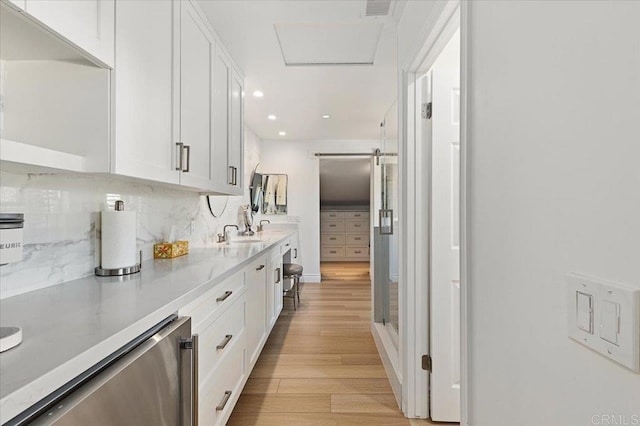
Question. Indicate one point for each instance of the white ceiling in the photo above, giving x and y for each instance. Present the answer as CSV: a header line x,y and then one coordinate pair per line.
x,y
356,96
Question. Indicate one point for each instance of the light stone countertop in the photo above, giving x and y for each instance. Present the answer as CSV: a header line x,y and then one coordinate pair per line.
x,y
70,327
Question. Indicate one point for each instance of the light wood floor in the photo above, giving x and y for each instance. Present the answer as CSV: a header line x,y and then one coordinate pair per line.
x,y
320,365
345,271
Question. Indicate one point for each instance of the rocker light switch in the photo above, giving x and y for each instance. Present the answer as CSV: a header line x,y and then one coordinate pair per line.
x,y
584,311
610,321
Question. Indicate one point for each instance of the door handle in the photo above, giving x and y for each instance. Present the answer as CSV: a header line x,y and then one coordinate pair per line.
x,y
224,401
295,253
277,271
224,297
180,147
260,268
224,342
235,175
188,149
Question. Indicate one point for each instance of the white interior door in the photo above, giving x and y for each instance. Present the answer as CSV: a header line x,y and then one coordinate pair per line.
x,y
445,245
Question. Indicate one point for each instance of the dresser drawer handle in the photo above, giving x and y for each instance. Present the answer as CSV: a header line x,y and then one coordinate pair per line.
x,y
260,268
357,251
332,226
332,252
224,297
224,342
333,238
357,225
357,238
224,401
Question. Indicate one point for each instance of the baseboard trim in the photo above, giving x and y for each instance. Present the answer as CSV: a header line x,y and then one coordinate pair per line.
x,y
311,278
389,355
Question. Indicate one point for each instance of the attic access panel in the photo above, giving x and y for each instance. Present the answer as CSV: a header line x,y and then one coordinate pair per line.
x,y
329,44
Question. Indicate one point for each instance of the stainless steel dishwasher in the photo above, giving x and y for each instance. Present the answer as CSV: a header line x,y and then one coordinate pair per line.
x,y
152,384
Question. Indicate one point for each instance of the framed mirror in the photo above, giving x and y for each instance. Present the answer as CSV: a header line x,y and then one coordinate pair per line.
x,y
274,188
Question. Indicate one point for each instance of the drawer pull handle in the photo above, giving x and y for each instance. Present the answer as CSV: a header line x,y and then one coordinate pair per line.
x,y
224,342
333,238
287,245
260,268
224,297
332,226
295,255
357,225
332,252
224,401
357,251
357,238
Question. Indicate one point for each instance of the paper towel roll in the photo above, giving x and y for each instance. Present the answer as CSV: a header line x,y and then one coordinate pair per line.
x,y
118,239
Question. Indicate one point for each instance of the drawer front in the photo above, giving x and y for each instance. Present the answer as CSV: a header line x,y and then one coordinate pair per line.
x,y
332,227
332,252
357,252
332,215
215,341
204,310
356,215
285,246
357,240
357,226
228,376
332,240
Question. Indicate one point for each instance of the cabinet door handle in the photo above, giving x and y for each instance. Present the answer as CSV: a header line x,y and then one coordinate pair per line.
x,y
180,147
224,297
224,342
230,175
260,268
277,271
235,175
295,253
188,149
224,401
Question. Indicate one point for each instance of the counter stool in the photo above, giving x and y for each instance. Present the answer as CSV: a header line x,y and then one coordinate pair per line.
x,y
293,271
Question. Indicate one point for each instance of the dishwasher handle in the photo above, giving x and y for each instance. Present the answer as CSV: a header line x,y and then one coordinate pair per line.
x,y
189,402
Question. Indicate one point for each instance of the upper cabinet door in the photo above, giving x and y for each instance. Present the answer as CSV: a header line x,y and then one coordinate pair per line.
x,y
236,143
222,173
144,142
196,51
89,24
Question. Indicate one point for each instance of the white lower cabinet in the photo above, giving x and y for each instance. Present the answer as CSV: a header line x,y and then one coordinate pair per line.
x,y
274,288
256,276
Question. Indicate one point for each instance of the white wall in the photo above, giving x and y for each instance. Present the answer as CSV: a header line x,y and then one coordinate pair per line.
x,y
296,159
554,151
61,211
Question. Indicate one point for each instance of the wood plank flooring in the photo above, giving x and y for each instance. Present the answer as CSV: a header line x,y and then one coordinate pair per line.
x,y
320,365
358,271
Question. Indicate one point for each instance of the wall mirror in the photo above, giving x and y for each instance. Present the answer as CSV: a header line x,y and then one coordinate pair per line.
x,y
255,191
274,192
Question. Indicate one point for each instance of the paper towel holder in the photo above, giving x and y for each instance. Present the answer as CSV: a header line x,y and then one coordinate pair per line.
x,y
103,272
127,270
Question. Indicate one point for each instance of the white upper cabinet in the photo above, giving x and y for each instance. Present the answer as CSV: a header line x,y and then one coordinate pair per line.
x,y
89,24
236,140
222,173
197,47
144,141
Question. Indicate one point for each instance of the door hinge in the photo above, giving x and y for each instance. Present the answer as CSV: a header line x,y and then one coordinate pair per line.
x,y
426,362
427,110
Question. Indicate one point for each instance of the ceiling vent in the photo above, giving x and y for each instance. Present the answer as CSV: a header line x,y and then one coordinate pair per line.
x,y
378,7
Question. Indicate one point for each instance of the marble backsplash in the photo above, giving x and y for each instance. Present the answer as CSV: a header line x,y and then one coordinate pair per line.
x,y
62,215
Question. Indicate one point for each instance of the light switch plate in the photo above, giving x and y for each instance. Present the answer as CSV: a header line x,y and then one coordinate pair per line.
x,y
615,318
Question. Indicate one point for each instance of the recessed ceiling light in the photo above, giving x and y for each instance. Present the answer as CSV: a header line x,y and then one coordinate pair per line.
x,y
258,94
271,117
282,133
325,116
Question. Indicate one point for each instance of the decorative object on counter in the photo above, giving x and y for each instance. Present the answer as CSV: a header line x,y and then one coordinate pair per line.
x,y
247,216
119,255
170,250
275,194
11,225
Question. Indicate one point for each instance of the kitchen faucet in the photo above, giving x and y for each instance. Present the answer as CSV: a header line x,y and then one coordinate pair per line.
x,y
223,237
